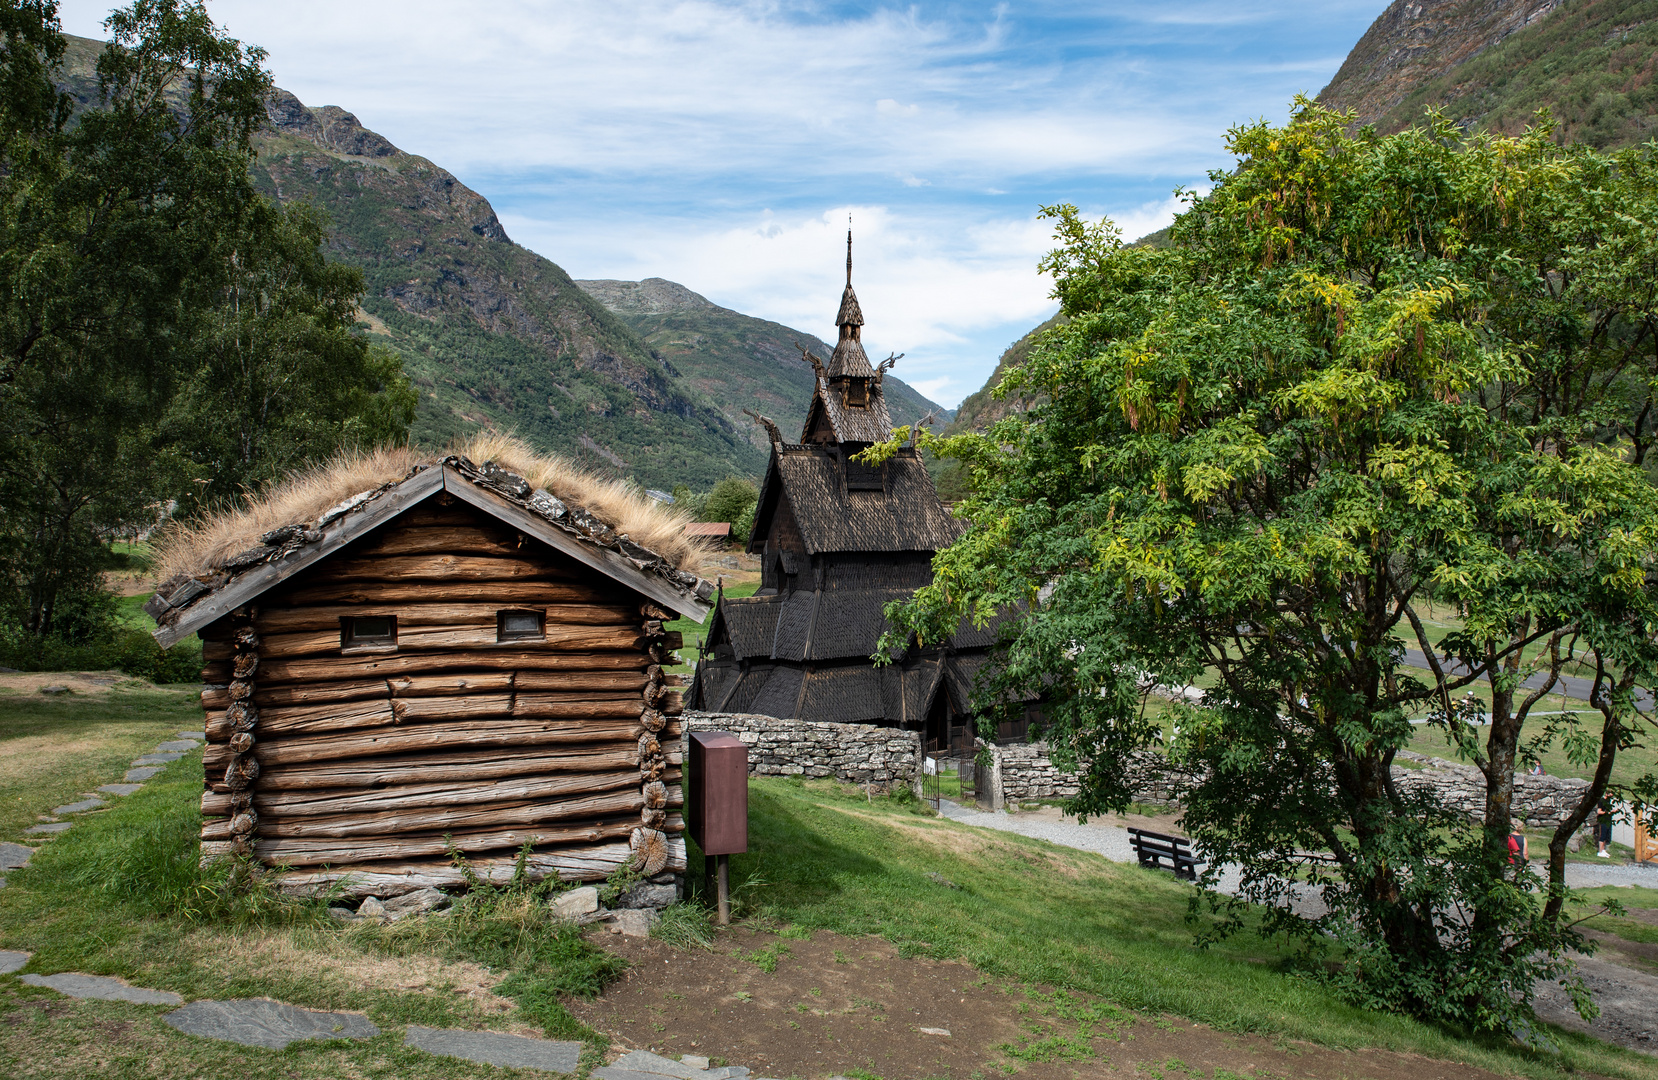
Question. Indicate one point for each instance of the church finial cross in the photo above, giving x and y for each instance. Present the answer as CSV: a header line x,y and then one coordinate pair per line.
x,y
849,249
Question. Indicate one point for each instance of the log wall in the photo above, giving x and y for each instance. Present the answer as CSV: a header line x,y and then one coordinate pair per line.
x,y
371,765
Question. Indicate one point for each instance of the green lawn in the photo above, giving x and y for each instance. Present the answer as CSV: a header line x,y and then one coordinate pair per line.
x,y
121,894
54,748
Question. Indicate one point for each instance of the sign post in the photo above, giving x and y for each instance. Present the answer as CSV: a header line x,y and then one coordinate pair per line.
x,y
719,809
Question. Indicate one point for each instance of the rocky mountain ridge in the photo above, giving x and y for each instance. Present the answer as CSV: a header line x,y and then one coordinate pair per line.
x,y
494,335
1492,64
1417,40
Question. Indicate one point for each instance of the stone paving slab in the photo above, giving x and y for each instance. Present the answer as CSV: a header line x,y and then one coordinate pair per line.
x,y
177,746
138,776
79,807
14,856
12,961
646,1062
267,1023
120,789
50,827
611,1072
156,759
102,988
492,1048
199,736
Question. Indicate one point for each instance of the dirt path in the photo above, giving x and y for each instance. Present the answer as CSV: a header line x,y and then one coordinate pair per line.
x,y
833,1006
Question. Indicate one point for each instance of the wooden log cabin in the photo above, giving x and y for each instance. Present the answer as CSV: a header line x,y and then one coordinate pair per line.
x,y
454,661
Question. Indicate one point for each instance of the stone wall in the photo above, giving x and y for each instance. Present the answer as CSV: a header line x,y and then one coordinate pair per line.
x,y
1024,773
852,753
1540,801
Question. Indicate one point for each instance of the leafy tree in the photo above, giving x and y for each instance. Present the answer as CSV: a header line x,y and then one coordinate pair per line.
x,y
277,377
1367,375
160,322
732,501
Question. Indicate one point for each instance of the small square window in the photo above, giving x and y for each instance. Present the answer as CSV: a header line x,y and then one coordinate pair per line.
x,y
857,394
368,632
519,625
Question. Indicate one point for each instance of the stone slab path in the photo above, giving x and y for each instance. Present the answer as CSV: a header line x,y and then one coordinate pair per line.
x,y
102,988
50,827
12,961
138,776
644,1065
14,856
262,1022
492,1048
80,807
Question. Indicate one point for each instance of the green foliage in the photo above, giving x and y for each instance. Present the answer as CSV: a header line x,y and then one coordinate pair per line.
x,y
278,378
1366,374
732,501
147,861
166,335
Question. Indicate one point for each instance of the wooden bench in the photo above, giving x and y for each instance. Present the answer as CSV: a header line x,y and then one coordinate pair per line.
x,y
1160,852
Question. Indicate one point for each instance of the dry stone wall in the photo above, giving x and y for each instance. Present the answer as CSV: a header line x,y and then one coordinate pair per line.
x,y
1026,773
1539,801
851,753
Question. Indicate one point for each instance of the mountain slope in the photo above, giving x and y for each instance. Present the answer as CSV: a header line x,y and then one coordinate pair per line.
x,y
1491,64
492,334
734,359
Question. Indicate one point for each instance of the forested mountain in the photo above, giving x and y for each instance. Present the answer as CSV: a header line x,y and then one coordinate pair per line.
x,y
494,335
1491,64
734,359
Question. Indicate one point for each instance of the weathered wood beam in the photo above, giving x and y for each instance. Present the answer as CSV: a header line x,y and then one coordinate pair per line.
x,y
312,852
457,734
477,636
291,620
433,568
330,668
386,879
453,765
391,823
454,592
290,804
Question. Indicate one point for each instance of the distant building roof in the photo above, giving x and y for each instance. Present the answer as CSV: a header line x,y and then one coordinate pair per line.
x,y
708,528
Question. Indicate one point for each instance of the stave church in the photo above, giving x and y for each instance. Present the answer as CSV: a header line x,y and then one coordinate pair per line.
x,y
838,541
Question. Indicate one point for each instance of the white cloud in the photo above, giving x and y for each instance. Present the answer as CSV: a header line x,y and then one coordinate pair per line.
x,y
719,143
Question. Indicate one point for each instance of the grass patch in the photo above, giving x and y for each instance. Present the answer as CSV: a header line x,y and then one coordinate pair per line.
x,y
54,748
122,893
824,858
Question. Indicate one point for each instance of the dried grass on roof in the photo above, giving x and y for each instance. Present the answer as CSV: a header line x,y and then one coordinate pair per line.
x,y
205,543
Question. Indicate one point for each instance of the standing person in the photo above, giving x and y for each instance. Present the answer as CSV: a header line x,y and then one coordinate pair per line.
x,y
1603,827
1519,851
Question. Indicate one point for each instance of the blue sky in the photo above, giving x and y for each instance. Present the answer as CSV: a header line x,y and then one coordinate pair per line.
x,y
723,144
